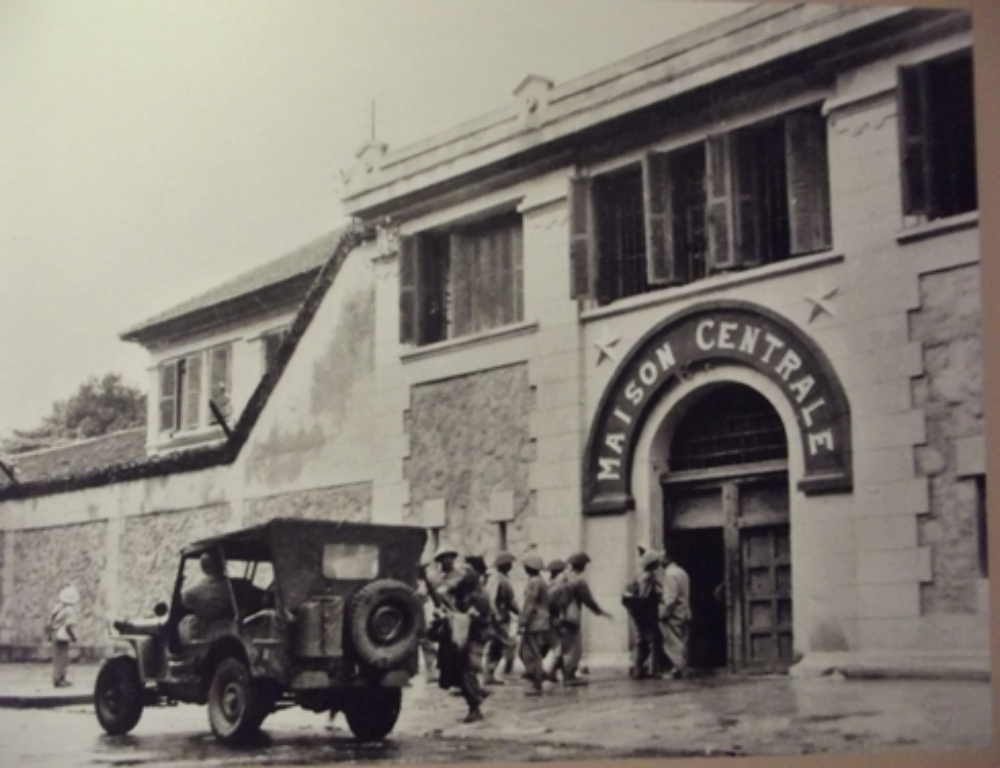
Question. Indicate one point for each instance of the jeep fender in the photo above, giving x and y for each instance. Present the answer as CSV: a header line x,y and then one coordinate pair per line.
x,y
148,652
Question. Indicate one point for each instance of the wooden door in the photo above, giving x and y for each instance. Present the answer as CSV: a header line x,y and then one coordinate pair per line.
x,y
765,576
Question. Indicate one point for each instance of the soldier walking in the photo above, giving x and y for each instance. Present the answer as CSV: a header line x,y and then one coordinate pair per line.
x,y
459,595
553,663
534,623
578,595
675,616
503,602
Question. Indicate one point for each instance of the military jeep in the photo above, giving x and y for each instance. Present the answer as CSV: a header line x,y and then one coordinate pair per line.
x,y
320,615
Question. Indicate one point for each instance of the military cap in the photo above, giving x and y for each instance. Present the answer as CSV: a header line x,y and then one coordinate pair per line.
x,y
445,551
533,562
556,566
504,558
578,558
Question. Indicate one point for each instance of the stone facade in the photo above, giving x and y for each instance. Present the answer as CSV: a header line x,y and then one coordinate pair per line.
x,y
949,326
469,439
350,503
150,545
45,561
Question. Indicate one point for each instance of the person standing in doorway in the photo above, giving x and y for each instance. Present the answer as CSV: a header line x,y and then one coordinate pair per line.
x,y
503,602
643,599
675,615
534,623
62,632
572,616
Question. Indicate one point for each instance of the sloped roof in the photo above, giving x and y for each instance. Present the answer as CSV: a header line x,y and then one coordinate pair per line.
x,y
80,457
304,262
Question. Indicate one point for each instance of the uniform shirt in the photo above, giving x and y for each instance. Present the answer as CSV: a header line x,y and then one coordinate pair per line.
x,y
676,593
502,598
209,599
535,612
578,595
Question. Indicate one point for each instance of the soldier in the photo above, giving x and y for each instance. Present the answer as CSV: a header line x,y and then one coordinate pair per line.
x,y
534,623
644,599
578,595
675,616
460,597
503,602
553,660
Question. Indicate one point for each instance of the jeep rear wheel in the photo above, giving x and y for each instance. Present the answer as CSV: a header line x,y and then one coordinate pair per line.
x,y
236,704
372,712
118,695
384,621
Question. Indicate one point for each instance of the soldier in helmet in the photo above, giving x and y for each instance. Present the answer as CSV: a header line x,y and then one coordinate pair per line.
x,y
503,602
553,663
575,596
644,600
459,595
534,623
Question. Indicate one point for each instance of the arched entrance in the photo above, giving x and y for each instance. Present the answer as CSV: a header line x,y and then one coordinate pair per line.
x,y
726,521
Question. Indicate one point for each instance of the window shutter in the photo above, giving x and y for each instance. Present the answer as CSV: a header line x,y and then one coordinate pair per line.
x,y
914,139
808,182
661,266
192,392
748,162
719,210
432,289
409,247
168,397
581,239
463,258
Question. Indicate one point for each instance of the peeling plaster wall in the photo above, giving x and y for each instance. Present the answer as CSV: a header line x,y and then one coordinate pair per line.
x,y
949,326
350,503
468,439
312,433
150,545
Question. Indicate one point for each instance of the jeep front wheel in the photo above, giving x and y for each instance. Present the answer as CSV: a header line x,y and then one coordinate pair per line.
x,y
384,620
372,712
236,704
118,695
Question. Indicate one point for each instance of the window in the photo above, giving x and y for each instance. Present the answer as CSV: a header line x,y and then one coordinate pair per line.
x,y
220,381
271,344
937,138
182,389
462,281
752,196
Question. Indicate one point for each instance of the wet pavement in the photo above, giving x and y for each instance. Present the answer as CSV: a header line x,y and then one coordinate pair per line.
x,y
612,718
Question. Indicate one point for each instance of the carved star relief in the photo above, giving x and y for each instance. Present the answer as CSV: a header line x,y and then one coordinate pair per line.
x,y
606,347
820,301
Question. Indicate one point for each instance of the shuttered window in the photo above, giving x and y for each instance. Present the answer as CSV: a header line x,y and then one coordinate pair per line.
x,y
461,281
738,200
168,397
181,389
937,137
220,380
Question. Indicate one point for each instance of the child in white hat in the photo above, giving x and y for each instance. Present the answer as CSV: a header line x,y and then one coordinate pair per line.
x,y
62,624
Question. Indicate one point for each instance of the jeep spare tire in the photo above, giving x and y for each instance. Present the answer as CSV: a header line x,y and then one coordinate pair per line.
x,y
384,620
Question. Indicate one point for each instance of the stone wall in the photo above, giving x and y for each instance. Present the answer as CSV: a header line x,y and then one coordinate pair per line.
x,y
352,503
949,326
45,561
150,546
469,438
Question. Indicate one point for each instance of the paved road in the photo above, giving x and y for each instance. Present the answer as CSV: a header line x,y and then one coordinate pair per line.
x,y
610,719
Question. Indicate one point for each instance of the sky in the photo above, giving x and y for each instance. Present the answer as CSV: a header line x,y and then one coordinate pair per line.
x,y
151,150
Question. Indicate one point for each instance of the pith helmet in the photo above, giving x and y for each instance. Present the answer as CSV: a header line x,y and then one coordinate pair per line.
x,y
556,566
445,551
504,558
578,558
534,563
649,559
69,596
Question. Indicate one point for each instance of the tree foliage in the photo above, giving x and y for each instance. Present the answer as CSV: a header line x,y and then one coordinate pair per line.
x,y
99,407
